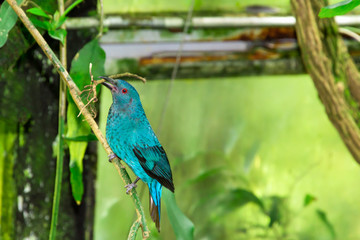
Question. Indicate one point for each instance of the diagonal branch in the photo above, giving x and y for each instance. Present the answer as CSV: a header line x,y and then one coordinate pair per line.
x,y
75,94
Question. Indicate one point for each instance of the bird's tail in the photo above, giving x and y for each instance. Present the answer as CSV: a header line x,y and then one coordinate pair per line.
x,y
155,202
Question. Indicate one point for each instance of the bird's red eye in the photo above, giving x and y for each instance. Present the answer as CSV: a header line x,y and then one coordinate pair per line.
x,y
124,90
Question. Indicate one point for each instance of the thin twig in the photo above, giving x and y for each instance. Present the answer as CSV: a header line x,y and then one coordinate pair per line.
x,y
27,3
75,94
92,95
127,74
350,33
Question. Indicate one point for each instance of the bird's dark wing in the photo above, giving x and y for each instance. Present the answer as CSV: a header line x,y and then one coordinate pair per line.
x,y
154,161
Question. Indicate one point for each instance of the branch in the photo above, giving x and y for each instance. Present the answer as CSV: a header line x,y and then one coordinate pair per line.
x,y
116,76
75,94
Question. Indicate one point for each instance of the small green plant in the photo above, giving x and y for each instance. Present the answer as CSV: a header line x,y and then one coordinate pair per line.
x,y
51,23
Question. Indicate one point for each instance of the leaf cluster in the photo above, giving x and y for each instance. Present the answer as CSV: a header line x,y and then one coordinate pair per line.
x,y
274,213
51,23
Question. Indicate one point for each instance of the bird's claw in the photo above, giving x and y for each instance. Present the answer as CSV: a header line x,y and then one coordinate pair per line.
x,y
129,187
111,157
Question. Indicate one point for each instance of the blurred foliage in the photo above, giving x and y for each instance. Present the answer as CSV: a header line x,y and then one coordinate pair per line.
x,y
215,7
252,158
322,216
7,188
231,200
309,199
114,6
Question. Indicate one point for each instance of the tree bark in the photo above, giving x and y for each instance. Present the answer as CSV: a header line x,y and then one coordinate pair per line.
x,y
28,127
333,72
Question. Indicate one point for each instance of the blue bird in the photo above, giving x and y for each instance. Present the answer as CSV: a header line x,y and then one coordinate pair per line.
x,y
132,139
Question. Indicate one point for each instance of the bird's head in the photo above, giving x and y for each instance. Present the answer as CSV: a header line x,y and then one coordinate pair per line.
x,y
123,93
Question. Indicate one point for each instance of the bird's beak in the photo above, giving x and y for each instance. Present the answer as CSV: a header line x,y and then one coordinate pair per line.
x,y
110,83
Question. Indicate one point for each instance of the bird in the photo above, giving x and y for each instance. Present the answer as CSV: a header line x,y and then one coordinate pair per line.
x,y
132,139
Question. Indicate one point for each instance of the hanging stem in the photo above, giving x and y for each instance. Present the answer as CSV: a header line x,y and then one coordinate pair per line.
x,y
75,94
58,179
60,154
133,230
101,14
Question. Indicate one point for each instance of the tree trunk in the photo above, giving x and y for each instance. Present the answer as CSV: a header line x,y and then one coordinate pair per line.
x,y
331,68
28,128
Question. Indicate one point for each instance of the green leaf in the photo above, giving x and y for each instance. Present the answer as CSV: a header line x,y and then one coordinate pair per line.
x,y
56,15
55,20
55,146
60,22
76,127
183,227
38,12
7,21
250,156
87,138
77,151
58,34
340,8
238,198
40,24
309,199
77,186
71,7
322,216
205,175
277,211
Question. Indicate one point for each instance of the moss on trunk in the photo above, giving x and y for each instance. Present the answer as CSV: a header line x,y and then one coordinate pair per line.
x,y
333,71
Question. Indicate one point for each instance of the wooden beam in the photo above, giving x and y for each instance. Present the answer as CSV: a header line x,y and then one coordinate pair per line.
x,y
169,22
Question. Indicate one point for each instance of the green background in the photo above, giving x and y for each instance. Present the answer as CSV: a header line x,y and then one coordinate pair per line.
x,y
269,135
236,6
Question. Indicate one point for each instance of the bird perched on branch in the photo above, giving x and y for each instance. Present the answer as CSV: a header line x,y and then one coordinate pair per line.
x,y
132,139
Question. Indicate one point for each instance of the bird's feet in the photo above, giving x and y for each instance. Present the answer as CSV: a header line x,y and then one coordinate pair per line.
x,y
131,185
111,157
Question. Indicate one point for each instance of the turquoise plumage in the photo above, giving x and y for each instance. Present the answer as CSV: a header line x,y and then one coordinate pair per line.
x,y
132,139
